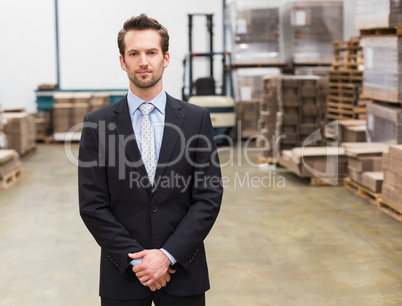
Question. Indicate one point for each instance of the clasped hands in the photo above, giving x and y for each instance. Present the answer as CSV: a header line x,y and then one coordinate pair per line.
x,y
154,270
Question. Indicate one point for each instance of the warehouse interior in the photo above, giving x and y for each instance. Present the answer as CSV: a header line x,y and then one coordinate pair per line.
x,y
309,144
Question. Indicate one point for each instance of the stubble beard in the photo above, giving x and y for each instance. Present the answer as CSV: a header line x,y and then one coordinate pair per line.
x,y
143,83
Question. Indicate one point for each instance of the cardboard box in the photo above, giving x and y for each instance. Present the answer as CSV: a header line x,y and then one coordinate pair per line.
x,y
373,181
391,178
365,163
317,161
393,194
20,129
356,176
9,162
62,114
384,124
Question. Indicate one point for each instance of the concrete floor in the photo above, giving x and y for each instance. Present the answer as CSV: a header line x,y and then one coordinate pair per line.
x,y
287,244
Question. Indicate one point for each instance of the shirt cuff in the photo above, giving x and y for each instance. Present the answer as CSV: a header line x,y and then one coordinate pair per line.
x,y
172,259
135,262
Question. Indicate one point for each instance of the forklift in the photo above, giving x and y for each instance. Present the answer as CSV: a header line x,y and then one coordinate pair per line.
x,y
205,92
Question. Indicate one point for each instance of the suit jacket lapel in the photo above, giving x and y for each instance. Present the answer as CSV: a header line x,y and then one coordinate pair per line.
x,y
126,136
171,133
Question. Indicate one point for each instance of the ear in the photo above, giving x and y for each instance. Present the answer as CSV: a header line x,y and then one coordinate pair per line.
x,y
122,63
166,60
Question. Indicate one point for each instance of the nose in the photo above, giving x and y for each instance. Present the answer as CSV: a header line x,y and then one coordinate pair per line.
x,y
143,60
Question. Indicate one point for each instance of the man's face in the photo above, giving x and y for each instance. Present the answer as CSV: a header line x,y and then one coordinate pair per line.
x,y
143,59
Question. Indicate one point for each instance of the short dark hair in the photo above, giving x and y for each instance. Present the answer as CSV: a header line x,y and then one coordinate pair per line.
x,y
143,22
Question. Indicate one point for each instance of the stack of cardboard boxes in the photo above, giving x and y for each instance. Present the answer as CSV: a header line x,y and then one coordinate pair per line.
x,y
302,106
322,163
365,164
10,168
293,108
267,122
391,190
20,129
249,95
70,108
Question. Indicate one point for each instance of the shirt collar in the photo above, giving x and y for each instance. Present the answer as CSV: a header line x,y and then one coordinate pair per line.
x,y
134,102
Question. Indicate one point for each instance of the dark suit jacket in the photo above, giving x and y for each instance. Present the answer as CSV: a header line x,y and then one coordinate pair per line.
x,y
125,214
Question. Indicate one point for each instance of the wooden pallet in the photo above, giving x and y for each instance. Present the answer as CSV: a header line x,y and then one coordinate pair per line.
x,y
46,139
382,32
263,159
348,77
361,191
390,208
10,179
315,181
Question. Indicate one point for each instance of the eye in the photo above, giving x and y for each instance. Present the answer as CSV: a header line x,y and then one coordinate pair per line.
x,y
133,53
152,52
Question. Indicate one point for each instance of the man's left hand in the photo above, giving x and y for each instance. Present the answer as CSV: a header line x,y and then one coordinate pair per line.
x,y
154,266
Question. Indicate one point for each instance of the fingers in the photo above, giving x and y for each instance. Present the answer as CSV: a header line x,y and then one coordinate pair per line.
x,y
137,255
171,271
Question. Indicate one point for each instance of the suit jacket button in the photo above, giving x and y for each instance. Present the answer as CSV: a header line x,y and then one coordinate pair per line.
x,y
154,209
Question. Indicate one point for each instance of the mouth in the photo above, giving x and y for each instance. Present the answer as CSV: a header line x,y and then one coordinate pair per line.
x,y
143,72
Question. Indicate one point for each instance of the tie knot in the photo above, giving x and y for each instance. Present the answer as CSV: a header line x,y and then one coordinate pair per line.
x,y
146,108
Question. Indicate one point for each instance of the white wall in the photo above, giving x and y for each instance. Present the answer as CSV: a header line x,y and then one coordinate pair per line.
x,y
88,47
88,43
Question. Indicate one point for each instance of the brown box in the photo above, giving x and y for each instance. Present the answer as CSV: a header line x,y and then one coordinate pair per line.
x,y
310,110
385,161
82,98
21,131
63,97
373,181
366,163
393,194
354,134
9,162
62,117
356,176
391,178
309,91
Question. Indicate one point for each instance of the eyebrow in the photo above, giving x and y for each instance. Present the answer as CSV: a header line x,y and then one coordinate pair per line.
x,y
135,50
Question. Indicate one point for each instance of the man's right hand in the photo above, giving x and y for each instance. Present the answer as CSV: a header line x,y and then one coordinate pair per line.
x,y
160,283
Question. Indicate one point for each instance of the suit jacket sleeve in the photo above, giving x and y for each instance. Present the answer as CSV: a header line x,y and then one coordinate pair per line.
x,y
94,200
206,195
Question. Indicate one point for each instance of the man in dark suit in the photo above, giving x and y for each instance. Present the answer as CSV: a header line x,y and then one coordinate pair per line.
x,y
149,182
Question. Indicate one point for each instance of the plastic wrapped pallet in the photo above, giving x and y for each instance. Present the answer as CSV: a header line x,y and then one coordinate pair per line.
x,y
249,82
378,14
260,33
315,26
383,68
384,124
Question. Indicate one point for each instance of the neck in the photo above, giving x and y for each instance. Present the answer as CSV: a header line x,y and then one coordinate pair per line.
x,y
146,94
